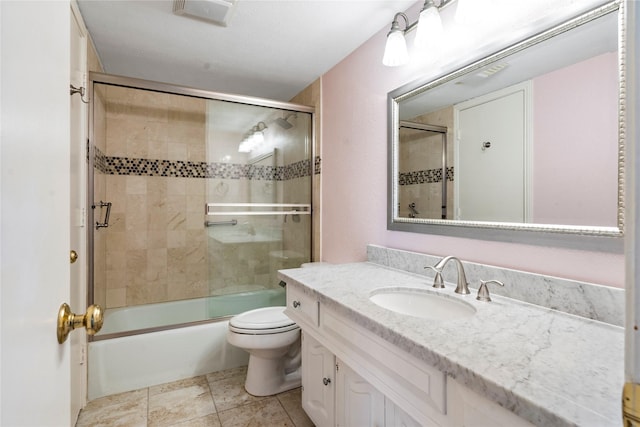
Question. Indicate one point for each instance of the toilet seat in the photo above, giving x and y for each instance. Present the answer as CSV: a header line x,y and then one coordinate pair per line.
x,y
262,321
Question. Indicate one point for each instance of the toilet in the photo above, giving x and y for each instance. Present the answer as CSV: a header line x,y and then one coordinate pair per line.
x,y
273,343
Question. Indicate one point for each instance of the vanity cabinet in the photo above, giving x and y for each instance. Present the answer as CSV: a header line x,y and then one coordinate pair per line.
x,y
333,394
353,377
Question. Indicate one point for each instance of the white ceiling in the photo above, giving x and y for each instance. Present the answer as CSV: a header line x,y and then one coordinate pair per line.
x,y
270,49
594,38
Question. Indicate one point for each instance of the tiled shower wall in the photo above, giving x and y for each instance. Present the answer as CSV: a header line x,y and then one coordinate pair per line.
x,y
155,244
156,247
420,179
311,96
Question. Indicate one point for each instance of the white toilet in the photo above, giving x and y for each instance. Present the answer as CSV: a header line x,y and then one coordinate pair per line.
x,y
273,343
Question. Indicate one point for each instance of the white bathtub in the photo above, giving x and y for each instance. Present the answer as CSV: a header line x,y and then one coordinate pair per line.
x,y
131,362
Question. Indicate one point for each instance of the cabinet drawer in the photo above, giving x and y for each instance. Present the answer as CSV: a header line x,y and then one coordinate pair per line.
x,y
302,308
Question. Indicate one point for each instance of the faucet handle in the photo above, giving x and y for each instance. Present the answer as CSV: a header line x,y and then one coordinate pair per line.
x,y
438,282
483,290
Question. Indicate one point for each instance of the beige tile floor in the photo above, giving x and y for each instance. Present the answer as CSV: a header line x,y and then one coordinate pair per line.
x,y
217,400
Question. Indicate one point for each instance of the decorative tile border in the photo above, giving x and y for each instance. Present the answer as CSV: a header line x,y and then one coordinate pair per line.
x,y
424,176
186,169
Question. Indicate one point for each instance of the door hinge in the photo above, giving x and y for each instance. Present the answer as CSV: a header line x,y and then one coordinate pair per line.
x,y
337,367
88,149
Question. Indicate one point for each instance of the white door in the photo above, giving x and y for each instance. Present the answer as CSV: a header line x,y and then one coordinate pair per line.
x,y
78,184
358,403
34,212
490,173
318,382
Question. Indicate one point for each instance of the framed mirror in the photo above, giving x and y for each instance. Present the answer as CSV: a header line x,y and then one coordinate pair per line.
x,y
525,145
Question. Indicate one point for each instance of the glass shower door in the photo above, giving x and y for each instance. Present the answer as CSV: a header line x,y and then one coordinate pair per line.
x,y
258,211
185,211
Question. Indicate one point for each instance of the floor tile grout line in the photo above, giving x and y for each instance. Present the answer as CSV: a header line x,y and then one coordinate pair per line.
x,y
285,409
213,400
148,405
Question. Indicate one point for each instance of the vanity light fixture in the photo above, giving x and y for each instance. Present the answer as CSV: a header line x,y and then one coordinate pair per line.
x,y
429,33
395,51
253,138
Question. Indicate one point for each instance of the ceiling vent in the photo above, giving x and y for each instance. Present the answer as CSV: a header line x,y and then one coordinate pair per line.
x,y
215,11
493,69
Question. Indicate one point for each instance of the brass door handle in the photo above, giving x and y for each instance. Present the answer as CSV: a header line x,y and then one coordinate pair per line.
x,y
73,256
68,321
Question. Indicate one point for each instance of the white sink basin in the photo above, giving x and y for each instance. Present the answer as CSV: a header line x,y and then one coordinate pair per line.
x,y
422,303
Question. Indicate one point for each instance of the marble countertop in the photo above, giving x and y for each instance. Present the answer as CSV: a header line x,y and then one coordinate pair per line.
x,y
548,367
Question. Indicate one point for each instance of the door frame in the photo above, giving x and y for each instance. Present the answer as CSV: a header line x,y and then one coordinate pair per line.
x,y
78,218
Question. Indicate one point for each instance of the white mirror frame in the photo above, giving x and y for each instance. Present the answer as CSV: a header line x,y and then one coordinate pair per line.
x,y
608,239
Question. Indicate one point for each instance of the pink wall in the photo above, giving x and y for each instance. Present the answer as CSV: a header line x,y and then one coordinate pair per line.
x,y
575,180
354,152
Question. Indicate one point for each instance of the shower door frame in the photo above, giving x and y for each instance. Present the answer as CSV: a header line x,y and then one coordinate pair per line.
x,y
133,83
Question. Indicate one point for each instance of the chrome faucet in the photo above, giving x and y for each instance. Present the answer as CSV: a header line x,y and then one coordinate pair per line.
x,y
462,286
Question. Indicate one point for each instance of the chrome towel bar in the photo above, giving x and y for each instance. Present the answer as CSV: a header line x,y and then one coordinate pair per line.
x,y
214,223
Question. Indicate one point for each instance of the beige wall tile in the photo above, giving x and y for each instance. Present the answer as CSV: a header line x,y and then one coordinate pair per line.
x,y
177,186
117,297
136,185
176,239
136,240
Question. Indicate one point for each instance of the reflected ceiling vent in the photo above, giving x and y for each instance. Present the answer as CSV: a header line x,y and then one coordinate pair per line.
x,y
492,70
216,11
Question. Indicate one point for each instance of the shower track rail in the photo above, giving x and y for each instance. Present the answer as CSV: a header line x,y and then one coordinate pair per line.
x,y
289,209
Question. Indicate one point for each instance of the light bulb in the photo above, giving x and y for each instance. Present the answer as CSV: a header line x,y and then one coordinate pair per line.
x,y
430,33
395,51
258,137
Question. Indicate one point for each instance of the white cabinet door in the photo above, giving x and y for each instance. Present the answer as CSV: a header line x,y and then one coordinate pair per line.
x,y
318,382
358,403
396,417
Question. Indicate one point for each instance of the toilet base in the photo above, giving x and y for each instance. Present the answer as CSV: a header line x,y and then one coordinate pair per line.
x,y
266,377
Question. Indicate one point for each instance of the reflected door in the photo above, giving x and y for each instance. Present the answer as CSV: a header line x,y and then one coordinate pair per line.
x,y
490,158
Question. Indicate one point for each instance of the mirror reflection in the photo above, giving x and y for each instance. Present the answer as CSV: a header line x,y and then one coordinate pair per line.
x,y
529,138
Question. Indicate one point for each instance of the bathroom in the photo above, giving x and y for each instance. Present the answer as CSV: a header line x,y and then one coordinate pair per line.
x,y
357,84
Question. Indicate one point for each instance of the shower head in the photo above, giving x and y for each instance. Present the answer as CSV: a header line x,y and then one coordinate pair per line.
x,y
284,122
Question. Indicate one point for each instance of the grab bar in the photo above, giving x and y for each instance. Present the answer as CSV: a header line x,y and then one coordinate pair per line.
x,y
213,223
104,224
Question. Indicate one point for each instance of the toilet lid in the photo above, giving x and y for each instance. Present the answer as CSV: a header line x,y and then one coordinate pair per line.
x,y
267,318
